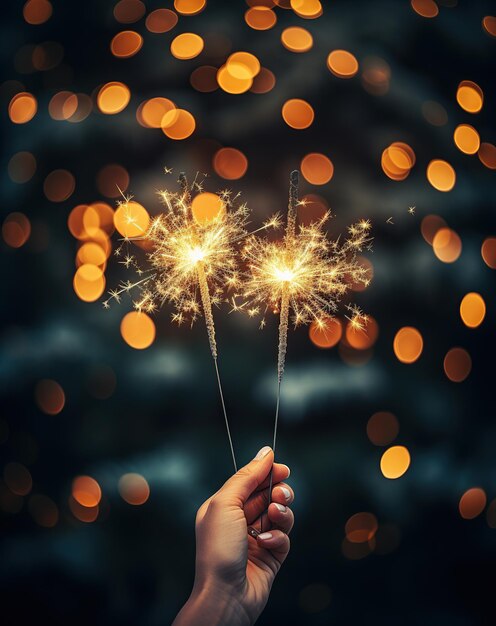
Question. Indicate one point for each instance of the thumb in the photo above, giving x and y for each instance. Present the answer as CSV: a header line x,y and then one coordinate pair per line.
x,y
239,487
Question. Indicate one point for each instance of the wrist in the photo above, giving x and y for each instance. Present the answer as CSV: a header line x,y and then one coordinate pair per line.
x,y
213,604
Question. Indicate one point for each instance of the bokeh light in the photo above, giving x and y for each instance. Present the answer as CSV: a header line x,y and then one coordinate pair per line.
x,y
472,309
408,344
457,364
21,167
50,396
86,491
429,227
425,8
488,252
59,185
362,338
361,527
131,219
395,462
138,330
22,108
113,98
297,113
134,489
189,7
129,11
326,334
178,124
466,138
161,21
43,510
186,46
316,168
447,245
297,39
230,163
16,229
18,478
487,155
472,503
470,96
37,12
206,207
441,175
126,44
382,428
260,18
89,282
342,63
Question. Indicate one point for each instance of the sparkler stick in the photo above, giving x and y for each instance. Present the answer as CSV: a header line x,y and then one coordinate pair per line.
x,y
191,259
304,273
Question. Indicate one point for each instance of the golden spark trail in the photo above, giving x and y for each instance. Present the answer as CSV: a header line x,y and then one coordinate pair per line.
x,y
207,307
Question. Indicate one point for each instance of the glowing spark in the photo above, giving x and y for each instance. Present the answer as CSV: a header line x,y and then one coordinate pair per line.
x,y
411,210
305,273
389,220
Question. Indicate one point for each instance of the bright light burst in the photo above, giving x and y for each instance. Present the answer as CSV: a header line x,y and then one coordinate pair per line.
x,y
191,261
305,273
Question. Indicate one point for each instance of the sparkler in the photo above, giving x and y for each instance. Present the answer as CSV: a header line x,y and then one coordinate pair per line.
x,y
192,262
305,273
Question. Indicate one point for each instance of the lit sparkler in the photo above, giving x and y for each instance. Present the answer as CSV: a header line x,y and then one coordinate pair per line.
x,y
305,273
192,260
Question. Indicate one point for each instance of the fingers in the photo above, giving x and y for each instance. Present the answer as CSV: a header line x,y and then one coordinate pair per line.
x,y
239,487
277,542
281,517
259,501
279,472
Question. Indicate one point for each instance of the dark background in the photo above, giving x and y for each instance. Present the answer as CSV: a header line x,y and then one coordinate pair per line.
x,y
134,565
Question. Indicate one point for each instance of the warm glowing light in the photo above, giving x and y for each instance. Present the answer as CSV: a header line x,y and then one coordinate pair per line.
x,y
441,175
86,491
457,364
425,8
361,527
186,46
363,336
447,245
297,113
243,65
21,167
37,11
263,82
473,310
308,9
382,428
326,333
112,180
317,169
395,462
304,273
376,76
126,44
151,112
83,513
472,503
297,39
89,282
342,64
63,105
207,207
233,85
178,124
487,155
131,219
129,11
260,18
113,98
138,330
92,254
50,397
488,252
16,230
430,225
134,489
470,96
230,163
489,25
466,138
22,108
161,21
189,7
408,344
397,160
59,185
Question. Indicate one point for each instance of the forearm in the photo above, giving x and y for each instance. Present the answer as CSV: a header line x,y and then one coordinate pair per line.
x,y
212,607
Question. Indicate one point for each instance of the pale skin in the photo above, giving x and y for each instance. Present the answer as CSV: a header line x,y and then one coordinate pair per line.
x,y
234,571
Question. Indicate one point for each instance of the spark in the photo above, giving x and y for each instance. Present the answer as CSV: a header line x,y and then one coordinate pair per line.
x,y
389,220
411,210
167,170
305,273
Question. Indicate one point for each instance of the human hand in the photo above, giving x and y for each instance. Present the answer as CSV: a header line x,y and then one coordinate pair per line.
x,y
234,570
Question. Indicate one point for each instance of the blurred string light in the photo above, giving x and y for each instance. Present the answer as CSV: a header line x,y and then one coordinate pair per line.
x,y
382,428
126,44
22,167
395,462
408,344
296,39
317,168
50,397
457,364
16,229
342,63
488,252
472,310
398,160
260,18
472,503
161,21
37,12
297,114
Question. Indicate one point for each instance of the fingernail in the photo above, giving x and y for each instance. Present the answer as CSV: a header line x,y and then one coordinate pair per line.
x,y
265,536
289,471
263,452
281,507
286,492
